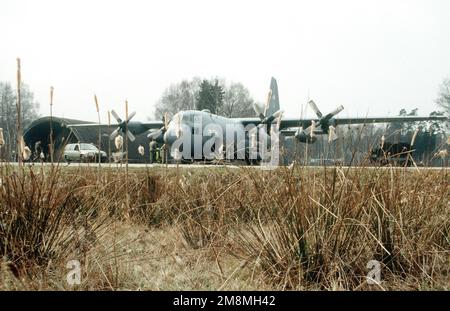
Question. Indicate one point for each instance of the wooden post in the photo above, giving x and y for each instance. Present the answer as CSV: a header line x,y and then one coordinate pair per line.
x,y
126,135
18,109
51,149
99,132
127,197
109,140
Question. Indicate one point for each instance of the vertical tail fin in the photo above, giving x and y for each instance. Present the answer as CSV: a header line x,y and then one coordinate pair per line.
x,y
273,101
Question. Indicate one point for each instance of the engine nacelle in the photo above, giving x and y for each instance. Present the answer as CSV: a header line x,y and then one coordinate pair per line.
x,y
325,125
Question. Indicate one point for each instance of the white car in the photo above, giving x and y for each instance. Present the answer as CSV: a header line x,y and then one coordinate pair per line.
x,y
84,153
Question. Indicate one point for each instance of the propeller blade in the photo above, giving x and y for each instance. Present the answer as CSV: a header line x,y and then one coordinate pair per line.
x,y
131,136
258,110
114,133
131,116
116,116
332,136
336,111
153,135
315,108
277,113
272,117
299,131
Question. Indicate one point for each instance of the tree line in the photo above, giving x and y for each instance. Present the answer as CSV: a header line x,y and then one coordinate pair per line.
x,y
8,115
355,142
231,100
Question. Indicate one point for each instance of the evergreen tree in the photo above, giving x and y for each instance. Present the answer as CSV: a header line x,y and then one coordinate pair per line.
x,y
210,96
234,98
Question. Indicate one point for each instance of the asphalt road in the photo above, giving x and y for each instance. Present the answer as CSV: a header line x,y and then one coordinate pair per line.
x,y
209,166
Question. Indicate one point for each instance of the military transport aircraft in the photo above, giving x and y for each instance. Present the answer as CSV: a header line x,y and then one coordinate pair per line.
x,y
192,124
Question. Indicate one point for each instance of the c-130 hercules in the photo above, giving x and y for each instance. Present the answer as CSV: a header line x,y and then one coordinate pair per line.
x,y
193,127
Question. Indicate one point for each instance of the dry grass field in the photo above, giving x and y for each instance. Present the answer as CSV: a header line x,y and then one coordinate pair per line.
x,y
228,229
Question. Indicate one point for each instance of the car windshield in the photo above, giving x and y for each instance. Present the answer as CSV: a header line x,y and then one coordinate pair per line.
x,y
88,147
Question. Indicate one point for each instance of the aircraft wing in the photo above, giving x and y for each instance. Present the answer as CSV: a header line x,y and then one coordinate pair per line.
x,y
291,123
134,127
368,120
148,125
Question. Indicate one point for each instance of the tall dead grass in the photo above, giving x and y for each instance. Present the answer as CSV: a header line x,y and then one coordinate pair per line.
x,y
293,228
323,234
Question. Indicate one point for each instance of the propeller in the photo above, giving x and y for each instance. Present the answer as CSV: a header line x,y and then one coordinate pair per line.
x,y
269,119
154,133
265,119
159,133
299,132
122,126
326,122
258,111
306,135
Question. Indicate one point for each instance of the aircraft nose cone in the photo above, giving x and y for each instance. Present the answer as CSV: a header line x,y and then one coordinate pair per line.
x,y
169,136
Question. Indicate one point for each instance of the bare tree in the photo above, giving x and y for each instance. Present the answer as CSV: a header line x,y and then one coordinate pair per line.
x,y
237,101
178,96
443,99
8,113
184,95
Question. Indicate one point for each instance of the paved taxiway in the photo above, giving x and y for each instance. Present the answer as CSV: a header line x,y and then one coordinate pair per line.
x,y
213,166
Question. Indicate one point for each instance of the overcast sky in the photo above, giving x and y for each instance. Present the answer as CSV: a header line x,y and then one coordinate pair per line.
x,y
373,57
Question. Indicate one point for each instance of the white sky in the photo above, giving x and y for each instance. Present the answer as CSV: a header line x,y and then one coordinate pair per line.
x,y
373,57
